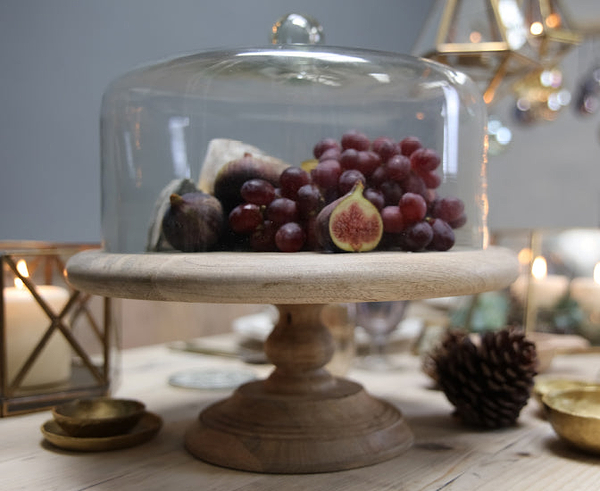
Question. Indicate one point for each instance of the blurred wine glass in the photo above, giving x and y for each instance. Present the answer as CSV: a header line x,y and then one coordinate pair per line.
x,y
379,320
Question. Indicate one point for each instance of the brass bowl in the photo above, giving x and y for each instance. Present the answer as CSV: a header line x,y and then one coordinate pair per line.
x,y
548,384
98,417
575,416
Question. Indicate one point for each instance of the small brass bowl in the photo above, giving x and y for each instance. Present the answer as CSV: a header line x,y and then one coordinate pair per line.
x,y
547,384
575,416
98,417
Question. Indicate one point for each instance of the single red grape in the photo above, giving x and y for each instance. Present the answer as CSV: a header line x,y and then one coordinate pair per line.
x,y
378,177
348,179
391,216
431,179
326,174
282,210
413,207
424,160
292,179
263,238
349,159
355,139
409,145
244,218
324,145
331,153
398,168
368,162
459,222
443,235
290,237
258,192
310,229
385,147
309,200
414,184
392,192
448,209
417,237
375,196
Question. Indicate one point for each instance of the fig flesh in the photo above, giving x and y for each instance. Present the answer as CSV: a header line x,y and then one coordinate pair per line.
x,y
193,222
351,223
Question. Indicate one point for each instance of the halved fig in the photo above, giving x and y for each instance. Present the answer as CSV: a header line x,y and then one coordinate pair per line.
x,y
351,223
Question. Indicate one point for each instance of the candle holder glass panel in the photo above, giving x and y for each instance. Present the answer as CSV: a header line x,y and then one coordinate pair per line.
x,y
56,343
558,289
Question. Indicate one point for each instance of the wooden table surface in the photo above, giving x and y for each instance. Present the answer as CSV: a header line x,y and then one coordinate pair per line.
x,y
445,455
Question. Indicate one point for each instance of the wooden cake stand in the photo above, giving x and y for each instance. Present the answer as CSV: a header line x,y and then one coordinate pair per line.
x,y
300,419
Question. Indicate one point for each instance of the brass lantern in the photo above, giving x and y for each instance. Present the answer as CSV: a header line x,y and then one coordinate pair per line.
x,y
549,31
487,39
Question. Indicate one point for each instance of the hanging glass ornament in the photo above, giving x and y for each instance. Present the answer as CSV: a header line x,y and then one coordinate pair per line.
x,y
486,39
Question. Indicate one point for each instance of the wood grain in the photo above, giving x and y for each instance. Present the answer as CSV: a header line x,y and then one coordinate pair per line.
x,y
445,455
300,419
301,278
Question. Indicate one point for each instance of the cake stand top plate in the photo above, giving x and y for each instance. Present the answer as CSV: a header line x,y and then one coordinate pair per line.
x,y
295,278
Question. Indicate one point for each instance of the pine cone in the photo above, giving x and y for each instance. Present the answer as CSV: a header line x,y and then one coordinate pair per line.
x,y
488,383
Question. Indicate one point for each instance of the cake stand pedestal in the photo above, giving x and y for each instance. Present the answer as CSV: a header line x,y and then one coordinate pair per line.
x,y
300,419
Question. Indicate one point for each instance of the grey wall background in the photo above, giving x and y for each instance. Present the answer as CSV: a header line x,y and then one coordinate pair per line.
x,y
57,57
550,175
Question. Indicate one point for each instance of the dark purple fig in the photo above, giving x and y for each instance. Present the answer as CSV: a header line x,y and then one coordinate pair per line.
x,y
193,222
234,174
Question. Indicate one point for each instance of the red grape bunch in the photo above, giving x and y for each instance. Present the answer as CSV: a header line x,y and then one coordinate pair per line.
x,y
399,177
275,218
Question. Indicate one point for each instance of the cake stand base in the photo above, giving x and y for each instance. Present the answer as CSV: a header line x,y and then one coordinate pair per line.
x,y
342,428
300,419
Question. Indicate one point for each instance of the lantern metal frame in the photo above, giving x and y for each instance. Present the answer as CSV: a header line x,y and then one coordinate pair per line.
x,y
511,62
92,373
556,38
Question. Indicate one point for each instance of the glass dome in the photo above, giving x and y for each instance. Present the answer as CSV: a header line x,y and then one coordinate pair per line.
x,y
170,127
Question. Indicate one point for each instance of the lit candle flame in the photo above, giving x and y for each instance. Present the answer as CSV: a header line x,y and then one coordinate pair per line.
x,y
475,37
539,268
524,256
553,20
536,28
23,271
597,274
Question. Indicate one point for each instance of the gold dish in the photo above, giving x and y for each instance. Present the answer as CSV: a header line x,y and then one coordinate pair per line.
x,y
98,416
143,431
547,384
575,416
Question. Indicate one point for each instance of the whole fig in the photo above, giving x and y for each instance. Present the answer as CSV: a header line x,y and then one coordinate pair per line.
x,y
193,222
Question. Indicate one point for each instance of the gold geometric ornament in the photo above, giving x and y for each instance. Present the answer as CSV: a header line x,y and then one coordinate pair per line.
x,y
550,33
486,39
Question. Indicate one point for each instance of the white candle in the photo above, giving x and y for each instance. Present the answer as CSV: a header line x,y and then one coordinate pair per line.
x,y
542,289
25,322
586,291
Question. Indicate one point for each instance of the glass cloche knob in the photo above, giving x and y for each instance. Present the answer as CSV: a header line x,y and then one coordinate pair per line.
x,y
297,29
